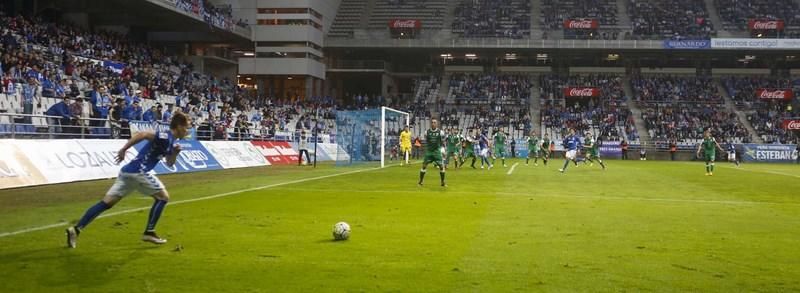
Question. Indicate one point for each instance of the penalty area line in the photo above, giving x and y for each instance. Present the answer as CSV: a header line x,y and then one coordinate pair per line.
x,y
512,169
177,202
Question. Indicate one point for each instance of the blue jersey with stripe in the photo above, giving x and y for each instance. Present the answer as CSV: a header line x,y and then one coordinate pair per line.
x,y
572,142
152,152
484,141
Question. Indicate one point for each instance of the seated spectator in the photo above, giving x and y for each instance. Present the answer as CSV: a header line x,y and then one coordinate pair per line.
x,y
735,14
668,88
685,123
491,18
673,19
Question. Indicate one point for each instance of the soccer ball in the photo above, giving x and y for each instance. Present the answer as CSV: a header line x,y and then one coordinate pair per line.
x,y
341,231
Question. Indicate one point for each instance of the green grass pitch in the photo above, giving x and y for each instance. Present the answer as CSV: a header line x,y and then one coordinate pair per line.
x,y
639,226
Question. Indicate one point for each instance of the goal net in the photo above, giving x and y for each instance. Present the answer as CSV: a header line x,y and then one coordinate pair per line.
x,y
369,136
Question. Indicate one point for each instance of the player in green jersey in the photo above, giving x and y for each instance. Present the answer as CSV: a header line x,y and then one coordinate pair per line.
x,y
592,150
499,146
709,147
470,144
545,148
434,141
453,148
534,143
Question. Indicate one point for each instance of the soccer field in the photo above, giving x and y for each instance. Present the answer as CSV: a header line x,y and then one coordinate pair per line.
x,y
639,226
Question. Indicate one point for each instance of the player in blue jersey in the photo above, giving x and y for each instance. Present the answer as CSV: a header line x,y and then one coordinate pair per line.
x,y
136,175
731,148
483,142
571,144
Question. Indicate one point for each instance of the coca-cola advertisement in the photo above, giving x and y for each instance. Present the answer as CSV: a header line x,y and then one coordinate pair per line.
x,y
765,24
791,124
581,24
775,94
405,24
587,92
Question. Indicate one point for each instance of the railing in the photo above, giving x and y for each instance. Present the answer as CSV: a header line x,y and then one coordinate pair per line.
x,y
13,125
22,126
493,43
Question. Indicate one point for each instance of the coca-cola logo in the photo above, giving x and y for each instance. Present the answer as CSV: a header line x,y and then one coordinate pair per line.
x,y
581,92
408,23
766,24
774,94
792,125
580,24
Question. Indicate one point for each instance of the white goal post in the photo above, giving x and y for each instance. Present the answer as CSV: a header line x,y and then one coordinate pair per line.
x,y
383,129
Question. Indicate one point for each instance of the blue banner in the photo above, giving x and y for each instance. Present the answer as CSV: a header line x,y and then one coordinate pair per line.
x,y
521,148
769,153
193,157
116,67
611,149
687,44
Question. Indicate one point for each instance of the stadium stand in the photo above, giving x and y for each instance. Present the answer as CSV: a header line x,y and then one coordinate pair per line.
x,y
429,12
606,114
669,88
678,108
735,14
348,18
492,19
663,19
489,89
554,13
684,123
765,115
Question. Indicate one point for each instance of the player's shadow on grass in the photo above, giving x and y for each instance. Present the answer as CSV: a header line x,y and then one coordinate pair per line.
x,y
60,266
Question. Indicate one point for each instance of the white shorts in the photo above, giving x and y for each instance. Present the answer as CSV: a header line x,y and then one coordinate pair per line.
x,y
731,156
571,154
485,152
146,183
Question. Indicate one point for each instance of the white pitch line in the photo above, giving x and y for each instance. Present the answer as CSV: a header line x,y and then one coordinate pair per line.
x,y
598,197
512,169
133,210
761,171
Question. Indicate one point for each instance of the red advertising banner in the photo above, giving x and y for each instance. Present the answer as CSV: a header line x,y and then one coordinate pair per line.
x,y
405,23
581,24
775,94
277,153
763,24
582,92
791,124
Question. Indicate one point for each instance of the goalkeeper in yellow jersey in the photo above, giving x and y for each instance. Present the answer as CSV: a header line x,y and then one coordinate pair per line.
x,y
405,145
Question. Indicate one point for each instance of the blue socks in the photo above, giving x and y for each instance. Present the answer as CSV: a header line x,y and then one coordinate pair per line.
x,y
155,214
566,164
91,214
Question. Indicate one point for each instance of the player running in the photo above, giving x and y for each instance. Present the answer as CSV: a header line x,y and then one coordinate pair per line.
x,y
137,175
571,144
732,153
533,149
709,147
483,142
499,147
434,141
453,148
405,145
592,152
469,146
545,150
